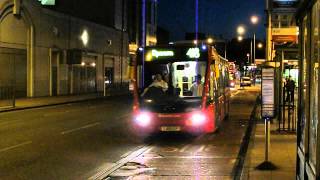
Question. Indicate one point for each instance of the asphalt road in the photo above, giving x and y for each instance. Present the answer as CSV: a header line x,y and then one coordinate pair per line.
x,y
92,139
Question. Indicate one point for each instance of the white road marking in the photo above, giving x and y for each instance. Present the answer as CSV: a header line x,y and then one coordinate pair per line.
x,y
15,146
80,128
201,148
194,157
184,148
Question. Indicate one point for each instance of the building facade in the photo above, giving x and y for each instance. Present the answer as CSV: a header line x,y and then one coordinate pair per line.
x,y
308,156
142,27
47,51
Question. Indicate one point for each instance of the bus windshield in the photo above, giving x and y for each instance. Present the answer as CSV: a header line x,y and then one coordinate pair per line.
x,y
178,79
178,84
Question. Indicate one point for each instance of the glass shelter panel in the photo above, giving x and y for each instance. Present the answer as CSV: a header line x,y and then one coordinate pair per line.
x,y
314,91
303,90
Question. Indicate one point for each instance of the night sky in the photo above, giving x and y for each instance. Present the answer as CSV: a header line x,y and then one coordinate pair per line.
x,y
216,17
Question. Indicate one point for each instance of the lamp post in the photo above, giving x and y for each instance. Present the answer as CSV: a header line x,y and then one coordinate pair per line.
x,y
254,20
211,41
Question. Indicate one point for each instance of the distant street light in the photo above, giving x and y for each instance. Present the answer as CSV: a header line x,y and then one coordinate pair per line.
x,y
254,20
240,38
209,40
260,45
241,30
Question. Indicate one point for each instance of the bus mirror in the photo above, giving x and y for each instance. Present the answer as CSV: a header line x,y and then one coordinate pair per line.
x,y
180,67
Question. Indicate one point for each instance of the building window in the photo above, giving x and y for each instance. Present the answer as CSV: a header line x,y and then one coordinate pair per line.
x,y
284,24
284,17
275,24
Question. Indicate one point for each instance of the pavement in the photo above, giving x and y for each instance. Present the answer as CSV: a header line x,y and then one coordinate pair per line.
x,y
282,154
27,103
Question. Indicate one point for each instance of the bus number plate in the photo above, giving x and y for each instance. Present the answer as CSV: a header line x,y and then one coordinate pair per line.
x,y
170,128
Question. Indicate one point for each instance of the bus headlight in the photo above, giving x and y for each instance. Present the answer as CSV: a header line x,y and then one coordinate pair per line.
x,y
143,119
198,119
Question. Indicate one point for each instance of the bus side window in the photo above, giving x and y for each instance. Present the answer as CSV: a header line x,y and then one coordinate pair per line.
x,y
213,83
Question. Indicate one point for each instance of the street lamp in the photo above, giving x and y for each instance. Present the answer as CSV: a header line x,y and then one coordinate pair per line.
x,y
241,30
240,38
210,40
260,45
254,20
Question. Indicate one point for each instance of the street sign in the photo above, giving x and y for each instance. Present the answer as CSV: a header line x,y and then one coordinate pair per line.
x,y
267,92
280,35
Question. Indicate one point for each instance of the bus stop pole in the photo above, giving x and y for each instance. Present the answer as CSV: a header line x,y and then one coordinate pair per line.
x,y
267,138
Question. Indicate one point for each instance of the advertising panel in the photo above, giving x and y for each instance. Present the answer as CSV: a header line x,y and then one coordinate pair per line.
x,y
267,92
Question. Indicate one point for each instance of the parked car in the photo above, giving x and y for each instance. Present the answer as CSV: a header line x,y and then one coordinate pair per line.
x,y
245,81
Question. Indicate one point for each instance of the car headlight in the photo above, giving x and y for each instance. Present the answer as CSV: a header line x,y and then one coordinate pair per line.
x,y
198,119
143,119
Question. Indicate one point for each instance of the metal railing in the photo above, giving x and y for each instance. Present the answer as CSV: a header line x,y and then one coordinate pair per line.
x,y
288,111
